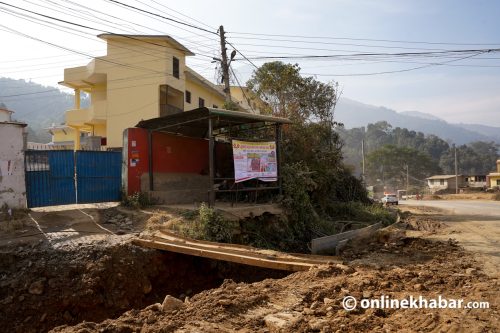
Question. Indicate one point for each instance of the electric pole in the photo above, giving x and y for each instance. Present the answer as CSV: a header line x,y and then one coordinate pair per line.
x,y
407,180
224,64
363,155
456,171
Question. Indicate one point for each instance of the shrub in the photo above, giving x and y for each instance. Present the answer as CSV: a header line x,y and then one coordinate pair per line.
x,y
137,200
209,225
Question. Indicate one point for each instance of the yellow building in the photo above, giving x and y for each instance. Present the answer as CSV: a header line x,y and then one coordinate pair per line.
x,y
494,177
140,77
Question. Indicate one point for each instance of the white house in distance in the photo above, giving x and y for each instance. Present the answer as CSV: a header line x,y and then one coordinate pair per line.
x,y
445,182
12,146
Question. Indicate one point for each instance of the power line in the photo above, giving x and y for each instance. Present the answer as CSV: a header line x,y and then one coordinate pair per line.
x,y
334,43
400,54
363,39
95,29
33,93
163,17
397,71
242,90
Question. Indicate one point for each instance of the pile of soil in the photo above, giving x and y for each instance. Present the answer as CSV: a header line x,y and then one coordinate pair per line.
x,y
42,286
311,301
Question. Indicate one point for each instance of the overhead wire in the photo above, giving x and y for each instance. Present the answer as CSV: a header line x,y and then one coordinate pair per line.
x,y
242,90
363,39
94,29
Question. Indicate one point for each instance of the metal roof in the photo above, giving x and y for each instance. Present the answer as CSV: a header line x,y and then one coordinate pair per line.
x,y
444,176
194,123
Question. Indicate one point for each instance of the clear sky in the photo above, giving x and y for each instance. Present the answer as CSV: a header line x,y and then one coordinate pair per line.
x,y
459,87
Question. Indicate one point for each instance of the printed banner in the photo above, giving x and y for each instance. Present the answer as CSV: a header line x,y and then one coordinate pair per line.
x,y
255,160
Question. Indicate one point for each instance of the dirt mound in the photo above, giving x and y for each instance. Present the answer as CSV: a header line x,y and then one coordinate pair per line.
x,y
423,224
312,301
42,287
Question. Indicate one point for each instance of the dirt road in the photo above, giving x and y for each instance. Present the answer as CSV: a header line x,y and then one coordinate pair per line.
x,y
474,224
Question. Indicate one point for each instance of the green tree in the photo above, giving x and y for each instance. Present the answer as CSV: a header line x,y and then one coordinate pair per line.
x,y
311,148
389,163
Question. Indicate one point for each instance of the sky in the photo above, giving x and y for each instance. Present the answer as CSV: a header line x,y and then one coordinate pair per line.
x,y
459,87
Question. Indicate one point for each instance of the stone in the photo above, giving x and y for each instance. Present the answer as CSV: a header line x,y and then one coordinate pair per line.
x,y
171,303
367,294
282,321
327,300
36,288
346,269
471,271
419,287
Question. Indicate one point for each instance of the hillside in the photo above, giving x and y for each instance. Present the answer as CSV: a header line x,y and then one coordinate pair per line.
x,y
37,105
356,114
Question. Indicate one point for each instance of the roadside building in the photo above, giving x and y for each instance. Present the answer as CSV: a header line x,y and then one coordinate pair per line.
x,y
475,181
494,177
445,183
12,146
140,77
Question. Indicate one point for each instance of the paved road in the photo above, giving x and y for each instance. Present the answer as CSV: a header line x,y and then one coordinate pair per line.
x,y
462,207
474,224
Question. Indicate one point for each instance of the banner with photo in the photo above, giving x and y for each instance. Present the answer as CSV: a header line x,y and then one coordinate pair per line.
x,y
255,160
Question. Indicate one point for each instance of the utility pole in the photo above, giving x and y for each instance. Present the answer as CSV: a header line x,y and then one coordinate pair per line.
x,y
407,180
363,155
224,64
456,171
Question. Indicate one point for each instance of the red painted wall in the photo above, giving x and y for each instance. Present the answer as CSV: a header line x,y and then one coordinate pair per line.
x,y
171,153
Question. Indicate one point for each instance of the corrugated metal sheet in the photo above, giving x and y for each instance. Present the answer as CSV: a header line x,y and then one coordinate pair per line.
x,y
50,177
98,176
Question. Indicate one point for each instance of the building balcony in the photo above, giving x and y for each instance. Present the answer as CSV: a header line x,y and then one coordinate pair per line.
x,y
82,117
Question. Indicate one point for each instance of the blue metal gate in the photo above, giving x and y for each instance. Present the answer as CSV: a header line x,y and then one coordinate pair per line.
x,y
98,176
54,178
50,177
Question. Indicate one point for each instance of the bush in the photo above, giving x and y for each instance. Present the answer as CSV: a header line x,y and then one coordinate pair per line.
x,y
138,200
209,225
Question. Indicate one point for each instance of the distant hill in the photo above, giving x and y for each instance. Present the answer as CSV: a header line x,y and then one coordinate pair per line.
x,y
356,114
37,105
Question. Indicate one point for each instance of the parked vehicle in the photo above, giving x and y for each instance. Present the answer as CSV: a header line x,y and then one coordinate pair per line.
x,y
390,199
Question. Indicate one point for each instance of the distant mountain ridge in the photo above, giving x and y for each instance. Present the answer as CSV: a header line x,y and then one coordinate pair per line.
x,y
41,106
356,114
37,105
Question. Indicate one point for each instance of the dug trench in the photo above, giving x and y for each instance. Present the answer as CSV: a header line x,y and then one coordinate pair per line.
x,y
42,287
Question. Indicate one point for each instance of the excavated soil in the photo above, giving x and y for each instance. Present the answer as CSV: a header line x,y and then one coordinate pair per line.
x,y
389,264
110,285
42,286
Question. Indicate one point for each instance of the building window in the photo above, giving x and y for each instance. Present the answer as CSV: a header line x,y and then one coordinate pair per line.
x,y
498,182
441,182
201,102
215,106
188,97
175,69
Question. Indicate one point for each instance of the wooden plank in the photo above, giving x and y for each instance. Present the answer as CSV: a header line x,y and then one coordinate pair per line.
x,y
248,259
245,250
329,243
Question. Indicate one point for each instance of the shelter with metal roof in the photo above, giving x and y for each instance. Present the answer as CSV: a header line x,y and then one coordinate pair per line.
x,y
191,130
